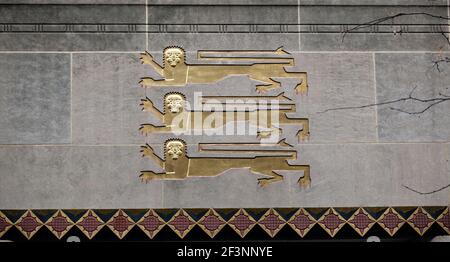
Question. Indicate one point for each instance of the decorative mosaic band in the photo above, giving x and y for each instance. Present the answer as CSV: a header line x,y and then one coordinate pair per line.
x,y
212,221
220,28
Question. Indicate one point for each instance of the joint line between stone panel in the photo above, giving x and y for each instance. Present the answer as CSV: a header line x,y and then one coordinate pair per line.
x,y
375,96
299,27
146,24
448,16
71,98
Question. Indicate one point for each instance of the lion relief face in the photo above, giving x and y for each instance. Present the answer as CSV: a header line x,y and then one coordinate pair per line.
x,y
173,56
175,149
174,103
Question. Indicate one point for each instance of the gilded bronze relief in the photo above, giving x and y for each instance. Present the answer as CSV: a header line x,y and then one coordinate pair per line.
x,y
190,103
258,65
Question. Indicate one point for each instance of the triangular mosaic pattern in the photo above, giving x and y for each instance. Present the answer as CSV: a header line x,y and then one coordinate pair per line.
x,y
90,224
120,224
29,224
331,221
212,221
271,222
181,223
420,220
391,221
59,224
444,220
5,224
151,223
242,222
302,222
361,221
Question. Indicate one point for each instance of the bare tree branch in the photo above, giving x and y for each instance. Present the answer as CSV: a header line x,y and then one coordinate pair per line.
x,y
426,193
430,102
437,63
391,18
446,37
417,112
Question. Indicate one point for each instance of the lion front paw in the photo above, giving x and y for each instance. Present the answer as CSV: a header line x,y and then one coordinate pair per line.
x,y
146,129
263,182
146,104
146,176
147,151
146,58
147,81
302,89
263,89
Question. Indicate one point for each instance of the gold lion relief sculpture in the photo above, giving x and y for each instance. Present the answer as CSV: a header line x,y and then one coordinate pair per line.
x,y
268,161
174,106
177,164
177,72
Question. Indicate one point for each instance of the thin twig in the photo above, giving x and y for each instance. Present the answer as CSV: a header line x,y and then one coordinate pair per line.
x,y
426,193
417,112
437,63
434,101
387,18
446,37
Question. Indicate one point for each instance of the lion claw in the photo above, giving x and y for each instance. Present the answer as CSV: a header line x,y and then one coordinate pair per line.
x,y
146,104
146,176
263,182
146,58
262,89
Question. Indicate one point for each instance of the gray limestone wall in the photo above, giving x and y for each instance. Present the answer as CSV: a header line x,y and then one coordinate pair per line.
x,y
69,97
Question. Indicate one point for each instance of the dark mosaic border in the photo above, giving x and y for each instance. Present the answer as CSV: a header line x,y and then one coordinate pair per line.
x,y
223,224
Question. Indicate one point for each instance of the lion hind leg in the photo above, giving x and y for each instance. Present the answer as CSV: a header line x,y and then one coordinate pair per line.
x,y
303,134
305,180
302,87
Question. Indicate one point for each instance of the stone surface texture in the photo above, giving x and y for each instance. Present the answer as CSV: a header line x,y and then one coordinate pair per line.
x,y
70,115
